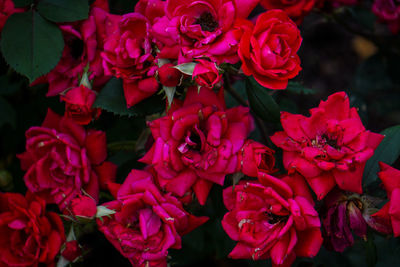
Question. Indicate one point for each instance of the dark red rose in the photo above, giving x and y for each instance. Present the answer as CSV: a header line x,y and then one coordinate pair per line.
x,y
206,73
29,235
71,251
168,75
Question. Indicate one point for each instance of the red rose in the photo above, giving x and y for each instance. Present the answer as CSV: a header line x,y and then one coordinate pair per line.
x,y
83,207
329,148
268,50
206,73
60,158
273,218
72,250
197,143
78,105
151,9
128,54
296,9
390,212
255,157
146,223
169,76
209,28
29,235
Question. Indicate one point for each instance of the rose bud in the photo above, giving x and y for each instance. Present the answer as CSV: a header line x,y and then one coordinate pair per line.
x,y
206,73
83,207
345,213
72,250
78,105
168,75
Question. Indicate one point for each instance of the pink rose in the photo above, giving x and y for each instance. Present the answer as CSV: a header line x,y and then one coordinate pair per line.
x,y
60,159
390,212
328,148
273,218
146,223
30,236
206,73
197,143
78,105
129,54
254,157
203,28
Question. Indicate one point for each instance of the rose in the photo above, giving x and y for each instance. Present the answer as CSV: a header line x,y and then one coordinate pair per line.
x,y
78,105
388,12
390,212
83,207
345,212
168,75
83,43
60,159
329,148
206,73
208,28
254,157
273,218
151,9
197,143
146,223
71,251
128,54
296,9
29,235
268,50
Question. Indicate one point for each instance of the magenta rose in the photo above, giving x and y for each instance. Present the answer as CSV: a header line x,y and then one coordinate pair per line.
x,y
60,159
209,28
328,148
30,236
146,223
268,50
273,218
206,73
129,54
197,143
254,157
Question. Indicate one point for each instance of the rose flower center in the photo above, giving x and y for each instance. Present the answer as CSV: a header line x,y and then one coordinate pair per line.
x,y
207,22
321,141
274,218
76,47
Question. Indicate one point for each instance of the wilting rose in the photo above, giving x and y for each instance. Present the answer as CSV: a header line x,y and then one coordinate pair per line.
x,y
390,212
197,143
30,236
206,73
388,11
268,50
296,9
346,213
78,105
60,159
7,8
273,218
129,54
328,148
146,223
168,75
254,157
71,251
83,44
209,28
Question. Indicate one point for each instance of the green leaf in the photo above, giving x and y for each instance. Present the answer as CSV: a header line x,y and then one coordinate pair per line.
x,y
7,114
388,151
22,3
298,88
111,98
31,45
64,10
261,102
